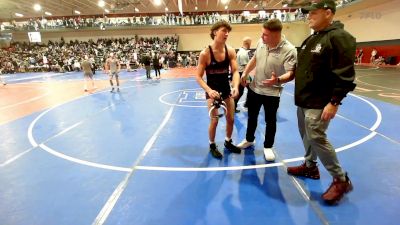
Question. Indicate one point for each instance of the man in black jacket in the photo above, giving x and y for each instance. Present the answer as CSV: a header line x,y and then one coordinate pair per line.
x,y
156,65
146,60
324,76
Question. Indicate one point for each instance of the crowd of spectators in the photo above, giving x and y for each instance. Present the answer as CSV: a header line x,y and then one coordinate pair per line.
x,y
175,19
340,3
66,56
61,56
102,22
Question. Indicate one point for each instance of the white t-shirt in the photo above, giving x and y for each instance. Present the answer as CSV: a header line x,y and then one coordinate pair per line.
x,y
45,61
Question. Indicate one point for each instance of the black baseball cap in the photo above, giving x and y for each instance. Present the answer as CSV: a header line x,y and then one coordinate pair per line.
x,y
323,4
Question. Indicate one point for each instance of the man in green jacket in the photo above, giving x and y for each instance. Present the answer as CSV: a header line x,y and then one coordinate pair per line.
x,y
324,76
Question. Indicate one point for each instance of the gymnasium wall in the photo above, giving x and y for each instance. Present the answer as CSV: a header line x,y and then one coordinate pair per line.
x,y
376,27
191,38
376,23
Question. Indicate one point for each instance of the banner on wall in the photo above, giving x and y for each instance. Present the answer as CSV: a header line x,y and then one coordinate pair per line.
x,y
180,7
34,37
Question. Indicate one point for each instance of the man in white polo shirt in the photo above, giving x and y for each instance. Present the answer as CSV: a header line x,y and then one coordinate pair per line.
x,y
242,58
274,57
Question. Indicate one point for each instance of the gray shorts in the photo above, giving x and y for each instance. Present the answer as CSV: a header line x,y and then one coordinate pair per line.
x,y
112,74
88,74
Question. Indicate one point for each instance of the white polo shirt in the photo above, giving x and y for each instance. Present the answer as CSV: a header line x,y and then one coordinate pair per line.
x,y
242,58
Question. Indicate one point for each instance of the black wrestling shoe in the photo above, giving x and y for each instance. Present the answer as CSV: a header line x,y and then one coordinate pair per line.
x,y
214,151
231,147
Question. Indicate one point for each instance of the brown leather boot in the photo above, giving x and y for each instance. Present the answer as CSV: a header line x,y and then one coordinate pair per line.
x,y
337,190
304,171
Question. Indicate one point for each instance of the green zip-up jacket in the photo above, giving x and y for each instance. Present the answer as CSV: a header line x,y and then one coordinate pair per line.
x,y
325,68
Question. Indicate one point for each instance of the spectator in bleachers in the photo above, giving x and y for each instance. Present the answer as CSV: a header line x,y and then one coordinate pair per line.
x,y
77,65
179,59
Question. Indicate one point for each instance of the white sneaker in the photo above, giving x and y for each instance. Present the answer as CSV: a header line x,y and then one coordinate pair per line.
x,y
269,154
245,144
